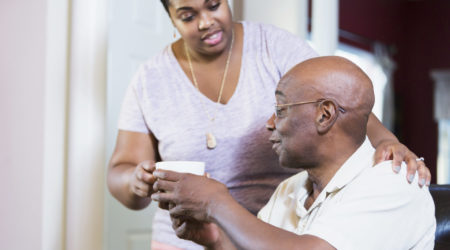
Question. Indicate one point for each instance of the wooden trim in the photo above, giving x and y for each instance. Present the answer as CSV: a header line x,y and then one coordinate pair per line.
x,y
55,125
87,123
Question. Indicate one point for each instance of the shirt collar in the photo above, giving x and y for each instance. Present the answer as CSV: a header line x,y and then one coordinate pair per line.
x,y
351,168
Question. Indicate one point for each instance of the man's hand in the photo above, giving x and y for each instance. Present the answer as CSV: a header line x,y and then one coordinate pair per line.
x,y
192,197
397,152
203,233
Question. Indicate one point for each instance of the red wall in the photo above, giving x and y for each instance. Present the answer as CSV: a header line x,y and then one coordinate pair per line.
x,y
420,33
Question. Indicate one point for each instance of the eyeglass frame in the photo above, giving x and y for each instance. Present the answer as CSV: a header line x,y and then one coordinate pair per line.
x,y
340,108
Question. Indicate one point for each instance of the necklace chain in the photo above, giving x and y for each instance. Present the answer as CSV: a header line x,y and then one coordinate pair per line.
x,y
223,78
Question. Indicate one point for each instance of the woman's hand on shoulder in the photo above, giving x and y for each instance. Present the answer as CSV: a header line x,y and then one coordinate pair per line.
x,y
397,152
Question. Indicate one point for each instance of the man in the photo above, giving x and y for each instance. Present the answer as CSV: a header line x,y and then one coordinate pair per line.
x,y
339,202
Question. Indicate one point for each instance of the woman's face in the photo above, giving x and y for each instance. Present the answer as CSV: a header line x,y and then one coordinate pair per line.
x,y
205,25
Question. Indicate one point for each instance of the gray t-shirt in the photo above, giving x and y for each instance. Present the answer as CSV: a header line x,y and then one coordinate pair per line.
x,y
163,101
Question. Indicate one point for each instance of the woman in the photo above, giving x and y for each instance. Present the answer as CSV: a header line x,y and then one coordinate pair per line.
x,y
206,97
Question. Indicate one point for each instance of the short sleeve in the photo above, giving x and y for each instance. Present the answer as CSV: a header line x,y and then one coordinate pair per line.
x,y
287,49
131,116
374,214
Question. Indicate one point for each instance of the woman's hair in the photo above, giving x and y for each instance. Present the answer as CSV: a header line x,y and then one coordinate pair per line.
x,y
166,3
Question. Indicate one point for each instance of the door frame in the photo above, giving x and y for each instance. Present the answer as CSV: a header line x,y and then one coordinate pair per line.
x,y
74,140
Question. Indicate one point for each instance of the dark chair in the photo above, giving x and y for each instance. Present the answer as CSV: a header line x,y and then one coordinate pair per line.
x,y
441,197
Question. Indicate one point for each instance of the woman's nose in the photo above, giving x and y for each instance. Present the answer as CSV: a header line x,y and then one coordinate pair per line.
x,y
270,124
205,21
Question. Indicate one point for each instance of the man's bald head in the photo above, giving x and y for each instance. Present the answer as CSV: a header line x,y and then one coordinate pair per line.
x,y
336,78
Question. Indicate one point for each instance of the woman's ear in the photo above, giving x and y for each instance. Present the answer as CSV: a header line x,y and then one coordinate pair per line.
x,y
326,116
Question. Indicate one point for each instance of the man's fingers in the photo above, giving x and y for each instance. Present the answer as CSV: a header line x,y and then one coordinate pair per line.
x,y
164,205
163,197
178,211
167,175
162,185
176,222
182,230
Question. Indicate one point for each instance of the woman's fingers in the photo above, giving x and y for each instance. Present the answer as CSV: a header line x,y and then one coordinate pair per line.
x,y
424,173
148,166
411,168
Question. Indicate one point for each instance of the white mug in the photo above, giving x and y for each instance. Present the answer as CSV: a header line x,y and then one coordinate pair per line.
x,y
192,167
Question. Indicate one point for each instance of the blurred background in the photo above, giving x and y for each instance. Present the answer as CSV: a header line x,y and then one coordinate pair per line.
x,y
64,66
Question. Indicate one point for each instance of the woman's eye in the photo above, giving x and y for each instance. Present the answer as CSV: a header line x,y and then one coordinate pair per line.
x,y
214,6
187,17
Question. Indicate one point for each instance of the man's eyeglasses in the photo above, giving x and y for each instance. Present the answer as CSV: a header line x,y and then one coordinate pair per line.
x,y
280,108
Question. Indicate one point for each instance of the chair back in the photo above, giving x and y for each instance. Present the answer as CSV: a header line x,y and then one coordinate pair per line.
x,y
441,197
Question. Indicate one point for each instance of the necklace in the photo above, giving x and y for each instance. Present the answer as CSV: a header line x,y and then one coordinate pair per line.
x,y
211,142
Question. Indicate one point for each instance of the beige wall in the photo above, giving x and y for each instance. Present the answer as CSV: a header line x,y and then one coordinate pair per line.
x,y
22,72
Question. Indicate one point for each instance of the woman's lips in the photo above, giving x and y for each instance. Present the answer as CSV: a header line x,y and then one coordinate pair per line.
x,y
214,38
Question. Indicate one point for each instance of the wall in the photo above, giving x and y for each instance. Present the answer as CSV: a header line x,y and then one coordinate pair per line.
x,y
290,14
420,36
22,60
424,46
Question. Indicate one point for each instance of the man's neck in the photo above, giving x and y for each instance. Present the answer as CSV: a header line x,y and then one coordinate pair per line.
x,y
322,174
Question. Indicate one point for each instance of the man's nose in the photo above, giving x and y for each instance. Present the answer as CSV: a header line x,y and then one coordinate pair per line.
x,y
205,21
270,124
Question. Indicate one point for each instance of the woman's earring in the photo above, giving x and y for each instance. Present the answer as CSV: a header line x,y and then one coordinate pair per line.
x,y
174,33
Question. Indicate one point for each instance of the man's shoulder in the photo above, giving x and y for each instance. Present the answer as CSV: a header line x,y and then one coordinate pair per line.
x,y
377,198
382,180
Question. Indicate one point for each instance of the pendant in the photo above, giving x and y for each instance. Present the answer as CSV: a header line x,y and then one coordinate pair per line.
x,y
210,141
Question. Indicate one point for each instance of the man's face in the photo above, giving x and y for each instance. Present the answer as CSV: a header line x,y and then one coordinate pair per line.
x,y
293,128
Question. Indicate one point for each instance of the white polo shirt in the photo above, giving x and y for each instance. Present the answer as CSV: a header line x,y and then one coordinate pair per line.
x,y
362,207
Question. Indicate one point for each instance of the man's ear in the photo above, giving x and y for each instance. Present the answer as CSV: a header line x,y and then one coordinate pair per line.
x,y
327,114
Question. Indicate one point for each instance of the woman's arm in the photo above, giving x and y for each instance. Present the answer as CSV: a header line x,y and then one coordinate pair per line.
x,y
130,169
377,133
389,148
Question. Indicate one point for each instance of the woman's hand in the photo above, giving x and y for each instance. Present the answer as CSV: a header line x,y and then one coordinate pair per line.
x,y
397,152
142,179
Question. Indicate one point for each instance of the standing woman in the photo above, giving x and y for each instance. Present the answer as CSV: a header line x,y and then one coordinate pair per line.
x,y
206,97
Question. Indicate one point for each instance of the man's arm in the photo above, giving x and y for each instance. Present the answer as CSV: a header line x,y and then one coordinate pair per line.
x,y
248,232
203,199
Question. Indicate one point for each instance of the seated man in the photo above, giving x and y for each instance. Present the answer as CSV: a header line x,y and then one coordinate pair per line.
x,y
339,202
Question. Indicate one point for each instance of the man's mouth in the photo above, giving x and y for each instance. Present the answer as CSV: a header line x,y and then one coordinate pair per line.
x,y
213,38
276,146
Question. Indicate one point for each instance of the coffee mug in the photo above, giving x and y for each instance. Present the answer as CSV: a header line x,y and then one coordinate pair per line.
x,y
192,167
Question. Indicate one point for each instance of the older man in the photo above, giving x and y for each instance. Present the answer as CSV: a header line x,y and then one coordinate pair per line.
x,y
339,202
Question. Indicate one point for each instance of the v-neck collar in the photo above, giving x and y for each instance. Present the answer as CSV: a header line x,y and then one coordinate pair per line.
x,y
184,79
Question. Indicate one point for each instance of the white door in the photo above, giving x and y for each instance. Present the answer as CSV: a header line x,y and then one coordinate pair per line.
x,y
138,29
